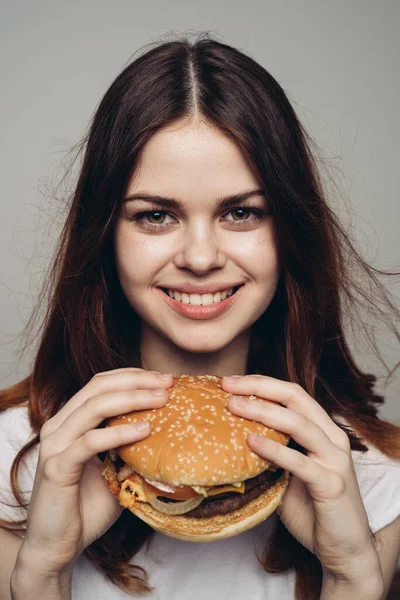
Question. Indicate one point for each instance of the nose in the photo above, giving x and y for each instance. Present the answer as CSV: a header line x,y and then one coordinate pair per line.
x,y
200,250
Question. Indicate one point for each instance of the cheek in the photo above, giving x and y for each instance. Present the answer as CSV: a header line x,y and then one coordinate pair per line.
x,y
137,258
259,256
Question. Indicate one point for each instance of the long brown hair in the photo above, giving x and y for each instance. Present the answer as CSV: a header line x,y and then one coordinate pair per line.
x,y
89,327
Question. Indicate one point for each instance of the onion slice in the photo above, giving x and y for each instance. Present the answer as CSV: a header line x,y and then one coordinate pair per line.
x,y
179,508
124,473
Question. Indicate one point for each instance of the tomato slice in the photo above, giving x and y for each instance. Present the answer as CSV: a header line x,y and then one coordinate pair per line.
x,y
183,493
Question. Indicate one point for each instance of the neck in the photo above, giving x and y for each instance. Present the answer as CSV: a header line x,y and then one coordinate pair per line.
x,y
159,354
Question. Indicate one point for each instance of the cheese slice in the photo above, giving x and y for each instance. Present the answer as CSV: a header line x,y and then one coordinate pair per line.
x,y
219,489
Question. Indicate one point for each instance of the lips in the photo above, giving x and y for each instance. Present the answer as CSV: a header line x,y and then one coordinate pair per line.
x,y
199,311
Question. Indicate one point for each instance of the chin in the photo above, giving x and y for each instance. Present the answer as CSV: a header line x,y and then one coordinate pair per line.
x,y
194,477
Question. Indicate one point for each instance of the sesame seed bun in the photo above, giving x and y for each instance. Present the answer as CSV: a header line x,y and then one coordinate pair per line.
x,y
196,441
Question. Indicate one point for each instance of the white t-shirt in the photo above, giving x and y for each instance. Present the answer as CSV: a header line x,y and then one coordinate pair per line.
x,y
216,570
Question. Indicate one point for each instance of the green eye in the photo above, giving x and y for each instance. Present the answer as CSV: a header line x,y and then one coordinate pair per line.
x,y
240,213
156,217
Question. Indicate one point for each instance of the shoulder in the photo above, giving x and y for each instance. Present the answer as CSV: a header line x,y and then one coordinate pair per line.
x,y
378,479
374,462
15,432
14,424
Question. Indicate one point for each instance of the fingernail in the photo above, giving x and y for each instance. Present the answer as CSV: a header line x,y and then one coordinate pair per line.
x,y
142,426
238,400
165,376
232,378
256,438
158,393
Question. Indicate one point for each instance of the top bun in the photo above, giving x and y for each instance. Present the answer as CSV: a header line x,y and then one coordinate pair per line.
x,y
195,439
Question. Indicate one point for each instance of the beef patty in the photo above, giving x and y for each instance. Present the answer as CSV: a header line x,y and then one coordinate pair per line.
x,y
230,501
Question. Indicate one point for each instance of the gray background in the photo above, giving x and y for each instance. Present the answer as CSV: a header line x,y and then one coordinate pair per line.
x,y
338,61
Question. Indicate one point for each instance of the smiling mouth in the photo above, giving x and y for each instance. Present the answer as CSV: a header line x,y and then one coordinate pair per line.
x,y
201,299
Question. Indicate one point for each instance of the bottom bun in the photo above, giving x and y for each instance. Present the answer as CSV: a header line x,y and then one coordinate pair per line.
x,y
207,529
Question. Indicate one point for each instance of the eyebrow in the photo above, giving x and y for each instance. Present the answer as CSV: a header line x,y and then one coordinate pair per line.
x,y
223,202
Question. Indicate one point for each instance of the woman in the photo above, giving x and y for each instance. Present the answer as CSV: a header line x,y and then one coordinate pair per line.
x,y
197,179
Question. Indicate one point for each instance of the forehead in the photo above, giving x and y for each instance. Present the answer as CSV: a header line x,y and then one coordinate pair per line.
x,y
192,160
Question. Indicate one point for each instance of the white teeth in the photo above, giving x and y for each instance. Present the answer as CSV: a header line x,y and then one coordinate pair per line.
x,y
200,299
207,299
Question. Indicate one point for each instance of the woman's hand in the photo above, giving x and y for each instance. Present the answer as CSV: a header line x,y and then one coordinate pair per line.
x,y
71,505
322,507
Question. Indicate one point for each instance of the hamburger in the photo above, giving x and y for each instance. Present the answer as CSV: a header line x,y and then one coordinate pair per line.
x,y
194,477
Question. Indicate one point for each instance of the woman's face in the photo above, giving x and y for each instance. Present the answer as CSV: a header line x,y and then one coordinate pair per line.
x,y
196,242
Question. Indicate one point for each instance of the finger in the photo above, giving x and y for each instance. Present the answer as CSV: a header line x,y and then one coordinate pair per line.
x,y
303,467
304,431
65,468
290,395
96,409
122,380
